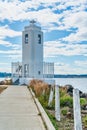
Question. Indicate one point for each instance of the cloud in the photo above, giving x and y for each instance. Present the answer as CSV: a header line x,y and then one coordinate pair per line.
x,y
82,64
55,48
70,16
14,57
68,69
73,20
60,64
28,10
4,63
77,21
72,3
5,69
5,43
54,11
5,31
9,44
46,16
16,7
12,52
19,9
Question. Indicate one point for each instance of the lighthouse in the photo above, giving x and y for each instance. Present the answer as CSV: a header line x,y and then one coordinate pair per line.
x,y
32,65
32,51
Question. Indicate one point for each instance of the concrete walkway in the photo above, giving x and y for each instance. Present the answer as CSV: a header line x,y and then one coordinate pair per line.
x,y
18,110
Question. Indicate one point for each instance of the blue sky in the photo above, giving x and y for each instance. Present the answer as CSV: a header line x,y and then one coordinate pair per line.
x,y
64,23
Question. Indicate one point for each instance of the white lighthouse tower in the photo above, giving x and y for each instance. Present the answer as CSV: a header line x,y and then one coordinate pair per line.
x,y
32,51
32,66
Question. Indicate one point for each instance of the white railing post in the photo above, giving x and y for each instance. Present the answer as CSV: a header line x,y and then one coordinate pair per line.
x,y
57,103
77,110
51,96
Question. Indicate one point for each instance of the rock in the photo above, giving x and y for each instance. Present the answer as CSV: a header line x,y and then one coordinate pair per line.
x,y
2,83
69,90
69,115
83,95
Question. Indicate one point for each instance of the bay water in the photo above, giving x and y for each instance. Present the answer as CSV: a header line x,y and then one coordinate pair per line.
x,y
79,83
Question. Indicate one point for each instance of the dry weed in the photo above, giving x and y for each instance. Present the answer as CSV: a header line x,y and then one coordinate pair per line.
x,y
39,87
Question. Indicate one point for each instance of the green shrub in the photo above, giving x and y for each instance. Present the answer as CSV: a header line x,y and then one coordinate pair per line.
x,y
53,120
64,111
85,121
66,101
43,100
83,101
62,91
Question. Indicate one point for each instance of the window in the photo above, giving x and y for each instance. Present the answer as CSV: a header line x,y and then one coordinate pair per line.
x,y
39,38
39,72
26,38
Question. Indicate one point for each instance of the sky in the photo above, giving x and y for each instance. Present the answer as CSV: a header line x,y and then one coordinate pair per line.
x,y
64,23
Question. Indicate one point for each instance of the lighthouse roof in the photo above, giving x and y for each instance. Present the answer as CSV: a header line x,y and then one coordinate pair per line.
x,y
32,26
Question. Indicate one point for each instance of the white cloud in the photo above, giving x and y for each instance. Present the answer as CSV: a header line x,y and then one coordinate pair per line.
x,y
11,10
68,69
12,52
5,43
5,31
15,57
79,36
23,11
5,69
82,64
55,48
73,19
18,8
9,44
46,16
4,63
79,21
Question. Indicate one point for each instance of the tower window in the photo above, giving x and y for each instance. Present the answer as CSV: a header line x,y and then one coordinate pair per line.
x,y
39,38
39,72
26,38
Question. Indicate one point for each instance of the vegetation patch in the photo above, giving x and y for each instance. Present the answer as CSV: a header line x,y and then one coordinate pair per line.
x,y
6,82
42,92
2,89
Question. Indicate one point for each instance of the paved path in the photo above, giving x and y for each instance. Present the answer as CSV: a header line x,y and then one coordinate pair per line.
x,y
18,110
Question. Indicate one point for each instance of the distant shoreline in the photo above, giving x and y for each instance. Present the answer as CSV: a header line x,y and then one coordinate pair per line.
x,y
5,75
70,76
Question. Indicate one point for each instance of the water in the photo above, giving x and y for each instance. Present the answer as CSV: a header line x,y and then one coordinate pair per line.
x,y
79,83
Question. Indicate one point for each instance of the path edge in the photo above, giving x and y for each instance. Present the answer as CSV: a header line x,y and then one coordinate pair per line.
x,y
48,124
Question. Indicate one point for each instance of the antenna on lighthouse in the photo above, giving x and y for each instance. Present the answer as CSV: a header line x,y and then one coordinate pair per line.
x,y
32,21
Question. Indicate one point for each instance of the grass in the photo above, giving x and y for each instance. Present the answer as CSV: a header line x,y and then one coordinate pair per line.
x,y
53,120
85,121
83,101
